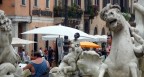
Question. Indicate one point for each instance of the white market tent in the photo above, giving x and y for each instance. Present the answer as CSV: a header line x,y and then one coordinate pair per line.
x,y
53,37
20,42
56,30
93,38
102,38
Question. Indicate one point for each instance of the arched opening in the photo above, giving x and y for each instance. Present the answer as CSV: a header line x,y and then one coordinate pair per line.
x,y
103,31
95,31
87,26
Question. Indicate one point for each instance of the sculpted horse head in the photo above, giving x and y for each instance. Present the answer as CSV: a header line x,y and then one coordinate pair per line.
x,y
113,17
121,61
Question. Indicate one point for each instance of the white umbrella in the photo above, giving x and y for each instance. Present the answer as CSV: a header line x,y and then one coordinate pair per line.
x,y
56,30
52,37
20,42
102,38
82,38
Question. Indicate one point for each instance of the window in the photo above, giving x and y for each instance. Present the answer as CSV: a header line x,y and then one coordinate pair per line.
x,y
35,2
75,1
96,2
23,2
95,31
63,3
55,2
105,2
103,31
0,1
115,1
71,2
86,26
79,2
124,5
87,4
47,3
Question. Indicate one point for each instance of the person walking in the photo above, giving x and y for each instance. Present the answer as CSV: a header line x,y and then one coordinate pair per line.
x,y
38,67
46,53
26,57
40,50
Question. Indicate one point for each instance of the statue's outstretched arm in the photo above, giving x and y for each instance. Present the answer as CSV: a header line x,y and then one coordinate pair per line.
x,y
71,67
138,38
139,7
138,49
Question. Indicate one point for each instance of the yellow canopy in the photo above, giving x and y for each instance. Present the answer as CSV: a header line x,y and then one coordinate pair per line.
x,y
89,45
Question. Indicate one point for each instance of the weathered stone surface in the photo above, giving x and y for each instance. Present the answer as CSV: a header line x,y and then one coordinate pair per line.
x,y
139,19
8,57
121,61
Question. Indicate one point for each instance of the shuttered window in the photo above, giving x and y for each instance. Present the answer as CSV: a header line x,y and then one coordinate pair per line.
x,y
35,2
47,3
23,2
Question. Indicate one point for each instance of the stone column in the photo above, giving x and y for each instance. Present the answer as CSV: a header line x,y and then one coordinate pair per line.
x,y
27,38
15,32
82,19
15,29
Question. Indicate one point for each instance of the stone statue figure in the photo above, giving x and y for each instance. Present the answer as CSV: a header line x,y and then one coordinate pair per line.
x,y
121,61
66,45
68,65
89,63
139,19
78,62
8,56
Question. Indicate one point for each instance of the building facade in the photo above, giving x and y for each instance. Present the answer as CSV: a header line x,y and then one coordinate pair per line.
x,y
79,14
27,15
89,20
85,15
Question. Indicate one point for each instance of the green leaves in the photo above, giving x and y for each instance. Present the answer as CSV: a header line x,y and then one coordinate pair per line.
x,y
127,16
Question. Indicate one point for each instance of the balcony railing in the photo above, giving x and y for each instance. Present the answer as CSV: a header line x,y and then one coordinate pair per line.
x,y
73,12
91,11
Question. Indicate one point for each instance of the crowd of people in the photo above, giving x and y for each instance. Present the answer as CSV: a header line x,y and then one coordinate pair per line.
x,y
41,61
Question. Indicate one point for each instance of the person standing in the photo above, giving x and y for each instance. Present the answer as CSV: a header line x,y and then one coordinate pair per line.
x,y
39,67
26,57
46,53
40,50
23,54
109,42
50,50
53,59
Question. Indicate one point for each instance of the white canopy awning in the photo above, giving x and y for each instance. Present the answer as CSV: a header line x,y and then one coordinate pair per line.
x,y
20,42
56,30
82,38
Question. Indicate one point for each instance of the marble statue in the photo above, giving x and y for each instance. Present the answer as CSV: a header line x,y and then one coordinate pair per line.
x,y
121,61
8,56
68,64
139,19
89,63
